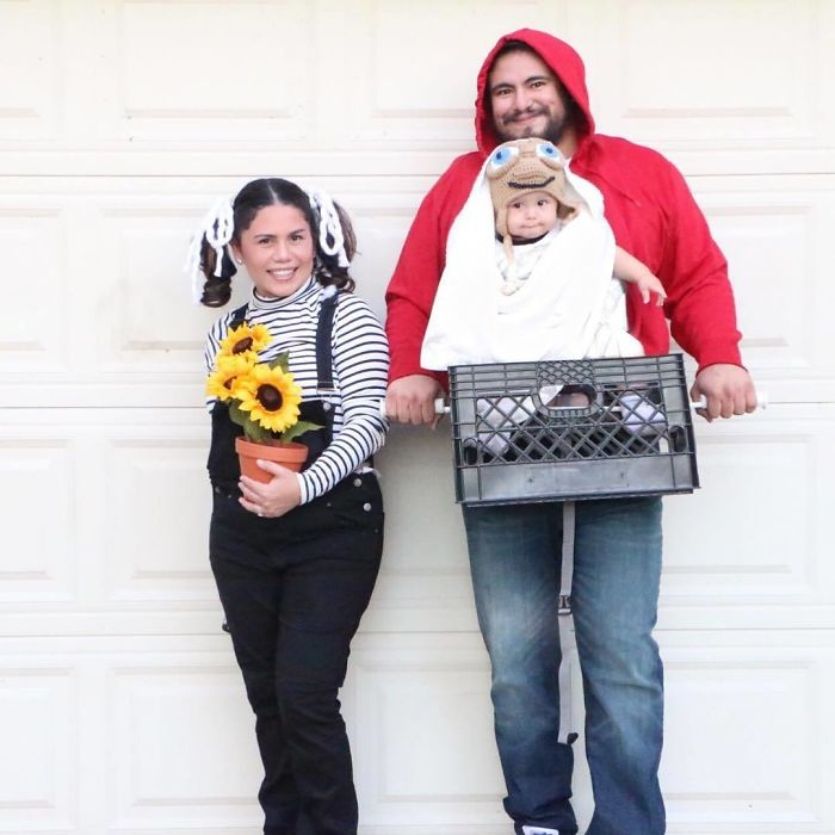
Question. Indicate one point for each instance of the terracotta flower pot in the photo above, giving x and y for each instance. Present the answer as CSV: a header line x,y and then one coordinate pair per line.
x,y
289,455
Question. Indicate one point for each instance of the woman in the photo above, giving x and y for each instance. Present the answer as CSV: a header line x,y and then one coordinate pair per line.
x,y
295,559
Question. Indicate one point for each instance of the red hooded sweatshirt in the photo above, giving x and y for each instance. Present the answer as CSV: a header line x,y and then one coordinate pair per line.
x,y
647,203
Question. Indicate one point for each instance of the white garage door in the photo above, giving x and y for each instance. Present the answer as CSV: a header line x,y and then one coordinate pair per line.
x,y
121,709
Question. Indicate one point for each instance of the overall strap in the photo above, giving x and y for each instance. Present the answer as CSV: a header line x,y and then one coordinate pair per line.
x,y
324,332
324,348
238,316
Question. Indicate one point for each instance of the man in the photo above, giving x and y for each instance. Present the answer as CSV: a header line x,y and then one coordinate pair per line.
x,y
532,84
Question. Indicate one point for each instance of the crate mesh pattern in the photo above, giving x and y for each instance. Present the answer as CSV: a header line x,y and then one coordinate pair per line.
x,y
572,429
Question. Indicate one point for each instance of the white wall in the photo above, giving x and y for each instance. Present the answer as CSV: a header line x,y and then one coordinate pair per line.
x,y
120,705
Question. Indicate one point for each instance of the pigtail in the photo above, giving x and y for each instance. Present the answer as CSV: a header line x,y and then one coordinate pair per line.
x,y
348,235
336,242
208,261
217,288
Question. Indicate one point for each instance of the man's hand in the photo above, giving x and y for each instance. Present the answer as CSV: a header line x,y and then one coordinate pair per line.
x,y
411,399
729,391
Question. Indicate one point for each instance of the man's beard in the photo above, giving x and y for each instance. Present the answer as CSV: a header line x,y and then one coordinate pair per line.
x,y
553,131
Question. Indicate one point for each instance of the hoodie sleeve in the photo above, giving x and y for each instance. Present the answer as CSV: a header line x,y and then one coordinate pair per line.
x,y
411,291
694,271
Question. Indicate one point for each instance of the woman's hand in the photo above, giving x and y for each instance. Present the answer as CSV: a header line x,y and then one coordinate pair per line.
x,y
274,498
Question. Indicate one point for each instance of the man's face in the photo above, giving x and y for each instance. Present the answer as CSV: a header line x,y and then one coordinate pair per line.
x,y
526,98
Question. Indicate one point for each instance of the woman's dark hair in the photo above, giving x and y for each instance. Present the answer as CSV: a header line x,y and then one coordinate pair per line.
x,y
253,197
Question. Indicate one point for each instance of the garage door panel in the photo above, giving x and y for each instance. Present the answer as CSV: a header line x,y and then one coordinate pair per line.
x,y
35,257
408,700
192,87
183,750
37,493
760,97
775,237
769,249
31,45
113,509
38,770
145,319
149,321
641,54
706,707
747,730
386,103
156,506
381,222
768,473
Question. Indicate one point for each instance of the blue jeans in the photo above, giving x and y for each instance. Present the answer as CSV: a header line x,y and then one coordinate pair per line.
x,y
515,557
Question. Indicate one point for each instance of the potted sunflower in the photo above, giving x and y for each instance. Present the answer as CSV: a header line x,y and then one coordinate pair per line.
x,y
262,398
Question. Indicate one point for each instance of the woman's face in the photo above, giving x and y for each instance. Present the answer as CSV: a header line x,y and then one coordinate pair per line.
x,y
277,250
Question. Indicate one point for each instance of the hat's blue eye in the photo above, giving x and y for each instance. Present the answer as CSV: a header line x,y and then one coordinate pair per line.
x,y
547,150
502,156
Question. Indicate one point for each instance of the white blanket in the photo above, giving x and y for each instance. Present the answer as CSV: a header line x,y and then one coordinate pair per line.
x,y
570,307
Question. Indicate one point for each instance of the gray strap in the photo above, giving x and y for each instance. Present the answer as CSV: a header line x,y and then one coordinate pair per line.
x,y
568,642
569,517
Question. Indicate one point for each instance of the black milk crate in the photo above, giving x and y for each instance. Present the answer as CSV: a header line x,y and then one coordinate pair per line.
x,y
571,429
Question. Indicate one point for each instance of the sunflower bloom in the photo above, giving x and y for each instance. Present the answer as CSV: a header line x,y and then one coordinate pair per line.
x,y
270,396
221,383
245,340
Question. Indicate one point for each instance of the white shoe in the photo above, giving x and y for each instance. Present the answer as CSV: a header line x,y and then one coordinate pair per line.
x,y
538,830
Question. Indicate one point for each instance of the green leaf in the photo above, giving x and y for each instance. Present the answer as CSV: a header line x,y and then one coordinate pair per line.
x,y
298,429
252,430
257,434
237,414
282,361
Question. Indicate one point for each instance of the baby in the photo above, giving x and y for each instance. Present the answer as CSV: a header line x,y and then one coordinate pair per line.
x,y
532,269
533,200
533,273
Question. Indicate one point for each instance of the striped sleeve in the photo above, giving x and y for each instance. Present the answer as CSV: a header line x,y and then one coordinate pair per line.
x,y
361,361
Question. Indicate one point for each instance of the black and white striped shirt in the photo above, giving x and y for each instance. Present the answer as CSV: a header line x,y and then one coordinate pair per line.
x,y
360,373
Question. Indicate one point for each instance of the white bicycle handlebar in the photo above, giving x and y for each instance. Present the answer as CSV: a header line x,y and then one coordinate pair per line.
x,y
442,408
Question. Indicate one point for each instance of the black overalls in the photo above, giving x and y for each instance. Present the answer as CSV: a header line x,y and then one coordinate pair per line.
x,y
293,590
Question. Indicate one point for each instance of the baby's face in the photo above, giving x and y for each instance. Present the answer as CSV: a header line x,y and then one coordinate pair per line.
x,y
531,215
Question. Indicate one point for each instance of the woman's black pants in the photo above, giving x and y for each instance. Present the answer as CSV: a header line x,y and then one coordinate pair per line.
x,y
293,590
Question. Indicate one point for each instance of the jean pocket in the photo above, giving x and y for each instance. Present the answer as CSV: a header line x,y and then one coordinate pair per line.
x,y
358,502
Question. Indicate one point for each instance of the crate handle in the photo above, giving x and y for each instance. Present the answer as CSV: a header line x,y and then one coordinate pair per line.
x,y
554,401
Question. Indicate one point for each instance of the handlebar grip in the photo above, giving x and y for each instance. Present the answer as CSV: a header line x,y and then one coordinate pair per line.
x,y
441,407
762,401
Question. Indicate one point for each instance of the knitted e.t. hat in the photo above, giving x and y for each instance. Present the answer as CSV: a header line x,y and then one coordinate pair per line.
x,y
524,166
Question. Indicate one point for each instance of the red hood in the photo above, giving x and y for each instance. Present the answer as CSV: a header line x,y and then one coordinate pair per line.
x,y
564,62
